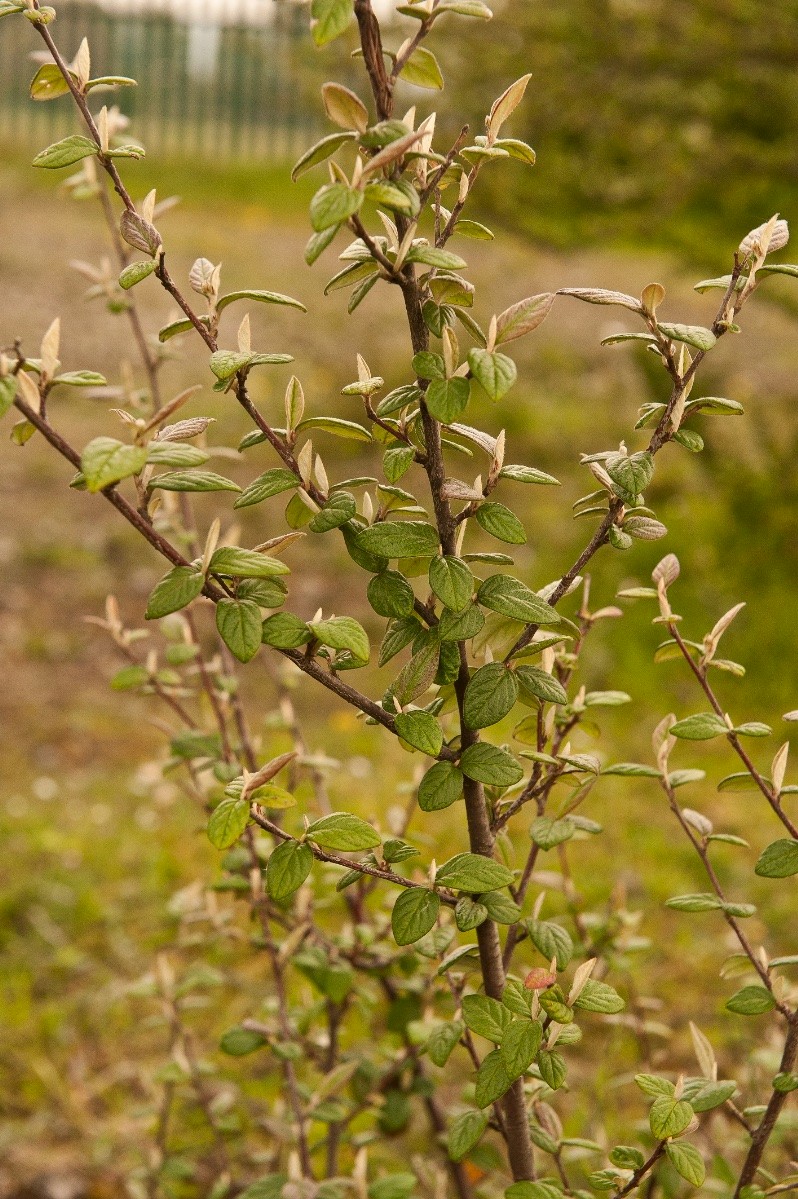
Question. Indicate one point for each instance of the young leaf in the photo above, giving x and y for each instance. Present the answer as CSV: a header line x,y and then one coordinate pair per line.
x,y
266,485
540,684
193,480
552,940
447,399
283,630
501,523
414,914
333,204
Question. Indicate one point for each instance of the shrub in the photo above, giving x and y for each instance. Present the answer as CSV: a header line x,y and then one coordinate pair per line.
x,y
466,1002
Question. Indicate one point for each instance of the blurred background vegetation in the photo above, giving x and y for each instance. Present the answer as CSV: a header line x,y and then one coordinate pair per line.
x,y
664,131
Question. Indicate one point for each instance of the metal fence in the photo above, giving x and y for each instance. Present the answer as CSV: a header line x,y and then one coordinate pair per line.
x,y
218,79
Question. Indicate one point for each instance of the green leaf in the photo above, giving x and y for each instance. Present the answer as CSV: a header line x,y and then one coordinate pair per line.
x,y
452,581
343,831
486,1017
266,485
522,318
421,730
134,274
491,765
552,1069
399,634
175,591
333,204
339,509
174,327
8,391
227,822
343,632
129,677
443,260
464,1133
701,902
510,597
288,867
599,997
105,461
440,787
753,728
784,1083
551,940
632,473
390,594
417,675
283,630
239,1041
350,430
261,297
779,860
540,684
399,539
414,914
491,693
692,335
270,1187
751,1001
226,363
493,1080
708,1095
48,83
245,564
469,913
393,1186
548,833
66,152
650,1084
240,627
460,626
473,873
701,727
687,1162
447,399
494,371
625,1157
443,1039
632,770
527,474
329,19
669,1117
520,1046
194,481
422,69
175,453
321,150
429,366
501,523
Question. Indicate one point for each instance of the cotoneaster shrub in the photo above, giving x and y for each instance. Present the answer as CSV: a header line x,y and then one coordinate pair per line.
x,y
443,992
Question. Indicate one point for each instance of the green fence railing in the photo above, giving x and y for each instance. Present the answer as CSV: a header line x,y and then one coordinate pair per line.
x,y
218,79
